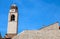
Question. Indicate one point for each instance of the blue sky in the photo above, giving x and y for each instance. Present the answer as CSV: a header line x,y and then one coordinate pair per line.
x,y
33,14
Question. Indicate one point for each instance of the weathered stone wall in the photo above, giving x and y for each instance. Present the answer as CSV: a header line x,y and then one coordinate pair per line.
x,y
50,32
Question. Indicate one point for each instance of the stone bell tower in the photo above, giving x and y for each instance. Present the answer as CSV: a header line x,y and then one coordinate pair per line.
x,y
12,29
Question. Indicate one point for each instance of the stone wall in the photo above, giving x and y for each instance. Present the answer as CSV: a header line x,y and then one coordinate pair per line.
x,y
50,32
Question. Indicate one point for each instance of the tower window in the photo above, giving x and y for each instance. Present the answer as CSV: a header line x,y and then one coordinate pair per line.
x,y
12,17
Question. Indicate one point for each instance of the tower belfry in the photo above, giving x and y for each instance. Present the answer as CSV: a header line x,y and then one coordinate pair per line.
x,y
12,21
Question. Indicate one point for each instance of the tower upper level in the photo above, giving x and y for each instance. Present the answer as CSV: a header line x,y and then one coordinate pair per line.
x,y
13,8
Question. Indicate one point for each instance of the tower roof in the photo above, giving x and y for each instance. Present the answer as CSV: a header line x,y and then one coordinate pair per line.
x,y
14,6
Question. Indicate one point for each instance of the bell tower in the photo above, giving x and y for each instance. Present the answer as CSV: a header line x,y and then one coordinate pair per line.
x,y
12,29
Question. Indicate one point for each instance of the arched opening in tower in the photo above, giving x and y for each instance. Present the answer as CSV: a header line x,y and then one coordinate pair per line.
x,y
13,17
